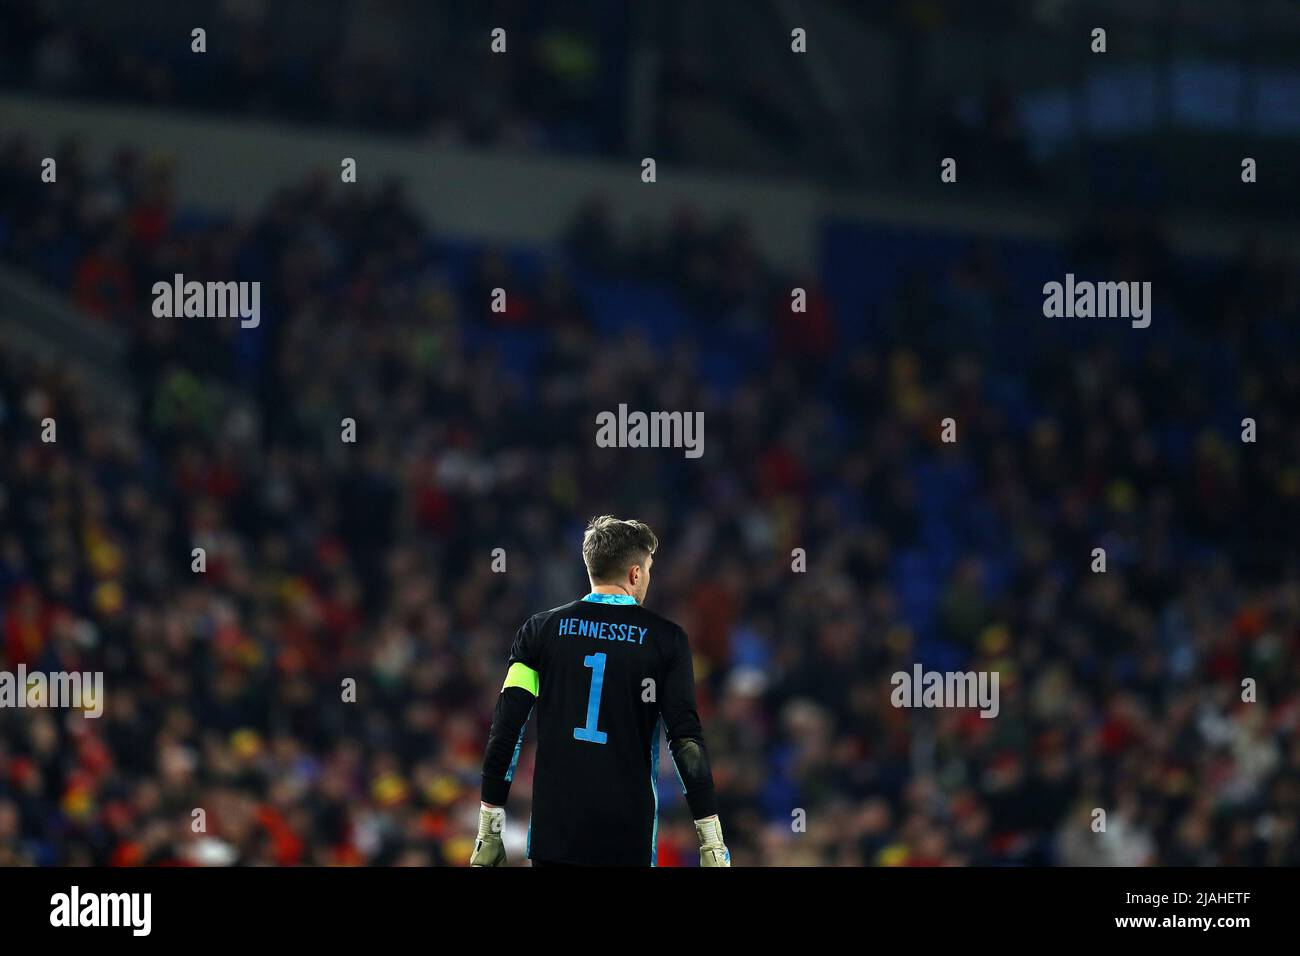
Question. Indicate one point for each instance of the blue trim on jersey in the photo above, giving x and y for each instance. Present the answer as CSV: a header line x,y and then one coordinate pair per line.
x,y
678,771
595,598
519,745
654,788
528,840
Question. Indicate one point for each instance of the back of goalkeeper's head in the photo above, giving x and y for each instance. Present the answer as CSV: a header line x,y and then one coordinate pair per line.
x,y
619,553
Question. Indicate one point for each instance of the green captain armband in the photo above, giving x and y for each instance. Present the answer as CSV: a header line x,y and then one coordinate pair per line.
x,y
521,675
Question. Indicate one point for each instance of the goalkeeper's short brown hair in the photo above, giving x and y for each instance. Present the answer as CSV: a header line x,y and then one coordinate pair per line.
x,y
612,545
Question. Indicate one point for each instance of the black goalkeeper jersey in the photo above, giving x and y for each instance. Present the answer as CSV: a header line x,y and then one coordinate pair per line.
x,y
610,674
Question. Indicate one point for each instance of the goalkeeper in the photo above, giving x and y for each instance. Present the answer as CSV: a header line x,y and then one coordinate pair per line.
x,y
603,675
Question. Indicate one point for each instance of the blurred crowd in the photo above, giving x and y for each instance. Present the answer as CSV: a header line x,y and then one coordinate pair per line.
x,y
373,70
574,67
328,561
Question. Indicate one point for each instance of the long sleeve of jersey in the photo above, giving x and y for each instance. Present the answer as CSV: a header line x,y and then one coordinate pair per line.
x,y
509,719
685,736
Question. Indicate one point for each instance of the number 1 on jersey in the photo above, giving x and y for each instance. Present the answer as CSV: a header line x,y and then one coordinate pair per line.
x,y
589,733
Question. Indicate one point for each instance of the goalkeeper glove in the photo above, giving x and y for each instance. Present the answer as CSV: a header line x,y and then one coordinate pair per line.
x,y
713,852
488,848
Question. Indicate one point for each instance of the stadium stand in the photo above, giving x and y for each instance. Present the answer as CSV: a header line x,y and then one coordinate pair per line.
x,y
327,561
